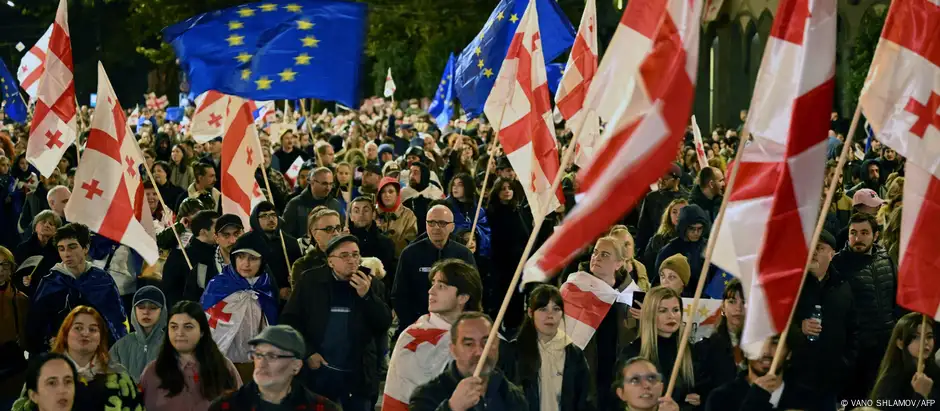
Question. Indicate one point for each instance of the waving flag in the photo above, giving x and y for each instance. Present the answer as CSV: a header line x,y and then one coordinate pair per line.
x,y
901,100
389,84
587,301
520,109
575,82
442,108
421,353
478,63
241,157
33,65
55,123
641,138
775,200
13,104
109,193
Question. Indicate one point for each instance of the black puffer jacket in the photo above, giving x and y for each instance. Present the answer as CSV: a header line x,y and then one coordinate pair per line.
x,y
873,279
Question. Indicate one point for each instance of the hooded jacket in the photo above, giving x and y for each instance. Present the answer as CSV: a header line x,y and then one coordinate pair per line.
x,y
277,266
694,251
138,349
399,222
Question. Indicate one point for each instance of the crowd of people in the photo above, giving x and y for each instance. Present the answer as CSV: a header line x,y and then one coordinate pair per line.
x,y
378,238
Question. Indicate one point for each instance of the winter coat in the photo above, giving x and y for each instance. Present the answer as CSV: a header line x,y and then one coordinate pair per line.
x,y
411,284
275,257
577,393
248,398
740,395
651,214
298,209
694,251
434,395
872,277
138,349
179,282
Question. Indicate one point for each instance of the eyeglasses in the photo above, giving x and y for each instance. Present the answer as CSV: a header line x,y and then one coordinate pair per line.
x,y
347,256
653,379
439,224
270,356
331,229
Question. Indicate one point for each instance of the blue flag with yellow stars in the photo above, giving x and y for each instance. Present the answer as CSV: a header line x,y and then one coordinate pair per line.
x,y
13,104
442,108
480,62
279,49
716,287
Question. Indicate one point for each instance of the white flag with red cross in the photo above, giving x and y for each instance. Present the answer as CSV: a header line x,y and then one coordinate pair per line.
x,y
575,83
587,301
421,353
55,120
901,100
775,199
519,107
241,157
657,45
33,65
109,192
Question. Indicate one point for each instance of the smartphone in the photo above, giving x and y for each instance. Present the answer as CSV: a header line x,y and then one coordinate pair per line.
x,y
638,297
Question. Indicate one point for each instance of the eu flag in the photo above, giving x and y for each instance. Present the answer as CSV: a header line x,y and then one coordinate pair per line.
x,y
479,63
442,108
280,49
716,287
13,104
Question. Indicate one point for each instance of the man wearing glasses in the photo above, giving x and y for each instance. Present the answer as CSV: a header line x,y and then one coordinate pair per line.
x,y
339,310
316,194
277,354
414,265
655,203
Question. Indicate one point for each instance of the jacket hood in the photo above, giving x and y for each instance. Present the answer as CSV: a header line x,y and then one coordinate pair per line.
x,y
378,200
157,331
692,214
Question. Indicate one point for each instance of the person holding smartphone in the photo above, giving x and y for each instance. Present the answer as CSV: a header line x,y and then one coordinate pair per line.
x,y
340,313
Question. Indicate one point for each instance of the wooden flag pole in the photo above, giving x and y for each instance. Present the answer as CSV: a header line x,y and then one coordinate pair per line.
x,y
280,230
709,249
173,225
569,152
820,222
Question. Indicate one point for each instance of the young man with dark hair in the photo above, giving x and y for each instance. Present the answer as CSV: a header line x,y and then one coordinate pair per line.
x,y
179,281
71,283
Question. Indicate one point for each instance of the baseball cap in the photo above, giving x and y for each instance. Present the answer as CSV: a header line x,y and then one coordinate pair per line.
x,y
227,220
284,337
867,197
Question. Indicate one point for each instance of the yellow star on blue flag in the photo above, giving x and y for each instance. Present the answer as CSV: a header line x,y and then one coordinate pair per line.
x,y
277,49
442,108
13,104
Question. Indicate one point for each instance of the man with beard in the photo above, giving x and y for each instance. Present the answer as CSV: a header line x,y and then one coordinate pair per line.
x,y
821,366
757,389
872,277
264,220
708,192
456,388
651,211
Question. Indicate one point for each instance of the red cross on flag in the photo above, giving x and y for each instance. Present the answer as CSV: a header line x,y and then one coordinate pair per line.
x,y
421,353
519,107
641,137
33,65
109,194
241,156
776,197
575,82
55,123
901,100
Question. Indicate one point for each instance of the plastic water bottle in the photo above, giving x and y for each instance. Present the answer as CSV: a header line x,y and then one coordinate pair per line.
x,y
817,315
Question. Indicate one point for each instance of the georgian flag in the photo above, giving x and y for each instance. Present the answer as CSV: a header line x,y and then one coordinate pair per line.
x,y
587,301
421,353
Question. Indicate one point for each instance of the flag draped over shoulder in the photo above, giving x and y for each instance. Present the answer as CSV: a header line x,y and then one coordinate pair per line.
x,y
442,108
279,49
901,100
421,353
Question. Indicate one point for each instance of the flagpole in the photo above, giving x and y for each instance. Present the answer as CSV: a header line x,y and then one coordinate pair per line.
x,y
280,232
569,152
156,188
823,211
709,249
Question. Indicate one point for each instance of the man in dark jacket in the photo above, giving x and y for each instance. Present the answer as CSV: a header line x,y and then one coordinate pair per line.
x,y
655,203
821,366
414,265
693,228
757,389
372,242
180,282
456,389
708,192
316,194
264,220
872,277
339,310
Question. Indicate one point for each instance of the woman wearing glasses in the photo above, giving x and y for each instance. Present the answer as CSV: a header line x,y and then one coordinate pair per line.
x,y
323,225
190,371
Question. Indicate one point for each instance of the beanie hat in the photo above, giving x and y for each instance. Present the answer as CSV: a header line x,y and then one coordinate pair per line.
x,y
680,265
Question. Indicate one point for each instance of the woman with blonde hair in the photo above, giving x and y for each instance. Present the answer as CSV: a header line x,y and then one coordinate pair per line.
x,y
667,231
631,266
660,331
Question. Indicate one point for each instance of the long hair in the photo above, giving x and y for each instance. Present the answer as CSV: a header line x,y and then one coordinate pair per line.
x,y
898,365
666,227
649,339
214,375
528,337
102,358
733,289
